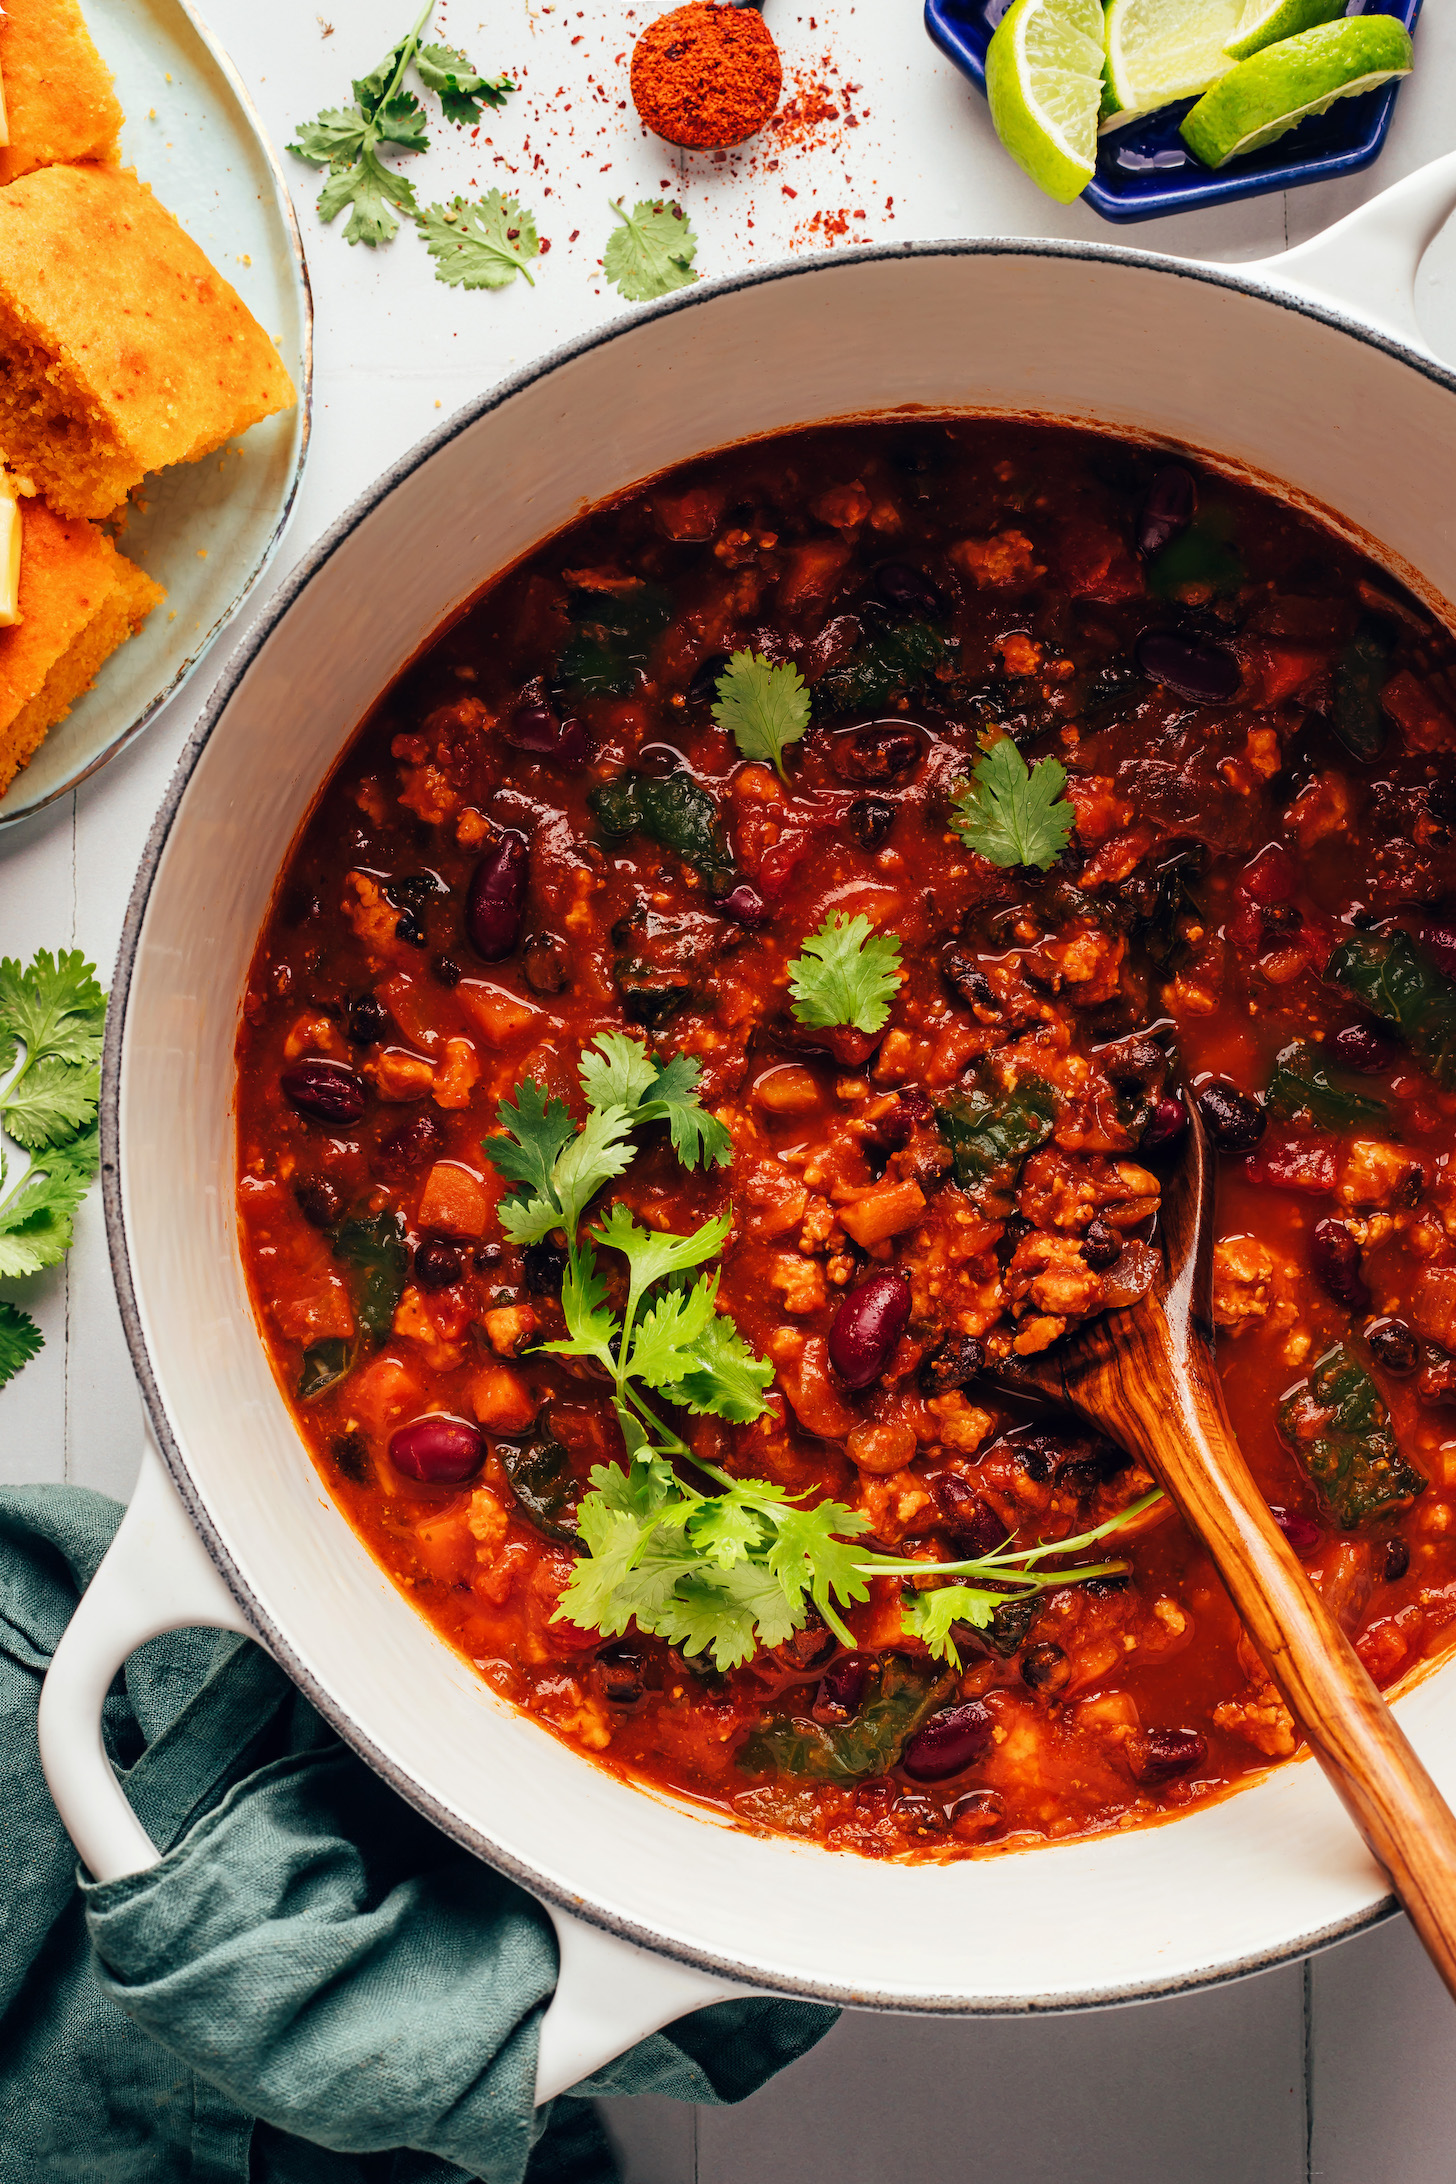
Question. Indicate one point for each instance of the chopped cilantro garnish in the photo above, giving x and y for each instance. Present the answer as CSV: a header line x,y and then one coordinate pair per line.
x,y
763,707
484,245
1012,815
846,974
20,1339
652,252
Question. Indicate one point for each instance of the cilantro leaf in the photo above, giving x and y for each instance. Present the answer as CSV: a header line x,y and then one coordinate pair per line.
x,y
652,252
36,1224
337,137
56,1010
763,707
484,245
1012,815
622,1073
20,1339
372,191
619,1074
846,974
558,1169
723,1375
462,92
51,1102
345,139
652,1254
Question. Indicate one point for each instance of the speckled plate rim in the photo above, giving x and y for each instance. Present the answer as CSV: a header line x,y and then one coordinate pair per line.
x,y
198,652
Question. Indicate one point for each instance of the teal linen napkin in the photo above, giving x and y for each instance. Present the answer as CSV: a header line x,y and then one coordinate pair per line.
x,y
313,1986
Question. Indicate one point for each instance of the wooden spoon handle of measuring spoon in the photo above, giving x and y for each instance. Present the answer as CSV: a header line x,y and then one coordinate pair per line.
x,y
1175,1420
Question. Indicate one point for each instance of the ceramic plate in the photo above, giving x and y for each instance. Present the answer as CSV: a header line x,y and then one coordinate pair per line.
x,y
209,528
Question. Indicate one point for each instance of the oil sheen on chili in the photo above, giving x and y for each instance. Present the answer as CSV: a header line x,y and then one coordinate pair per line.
x,y
541,834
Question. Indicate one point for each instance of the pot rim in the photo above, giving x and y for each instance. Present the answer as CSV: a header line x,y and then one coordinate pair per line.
x,y
450,1823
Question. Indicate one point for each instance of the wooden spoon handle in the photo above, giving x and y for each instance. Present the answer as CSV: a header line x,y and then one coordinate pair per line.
x,y
1177,1422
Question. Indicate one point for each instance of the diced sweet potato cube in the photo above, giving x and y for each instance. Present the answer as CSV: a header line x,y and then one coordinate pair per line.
x,y
458,1074
499,1015
1433,1305
502,1401
400,1075
883,1212
325,1313
510,1327
381,1395
454,1202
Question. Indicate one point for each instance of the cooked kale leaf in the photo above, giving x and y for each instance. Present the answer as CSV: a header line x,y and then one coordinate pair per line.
x,y
375,1248
1360,674
989,1137
674,810
904,1694
611,640
542,1482
1204,557
1302,1084
1337,1426
323,1363
1403,987
903,656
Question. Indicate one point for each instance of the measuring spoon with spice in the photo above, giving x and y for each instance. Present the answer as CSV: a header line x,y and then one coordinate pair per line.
x,y
707,75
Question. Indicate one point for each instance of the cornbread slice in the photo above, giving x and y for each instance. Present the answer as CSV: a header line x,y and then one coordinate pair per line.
x,y
59,98
79,600
121,348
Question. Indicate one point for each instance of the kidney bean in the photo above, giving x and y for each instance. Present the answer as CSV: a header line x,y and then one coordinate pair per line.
x,y
1234,1122
1271,877
745,904
320,1200
1439,942
437,1265
1335,1257
1208,674
368,1023
1395,1346
959,1359
1358,1047
704,686
1302,1533
497,898
325,1091
1046,1667
536,728
881,754
841,1691
1396,1554
1135,1067
867,1327
975,1524
870,820
1101,1246
408,1148
919,1817
1166,1127
1168,508
909,590
1161,1755
949,1742
440,1450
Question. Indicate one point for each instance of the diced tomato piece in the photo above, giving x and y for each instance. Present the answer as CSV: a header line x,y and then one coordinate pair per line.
x,y
1269,877
1425,724
811,573
1245,926
689,515
1274,673
1303,1163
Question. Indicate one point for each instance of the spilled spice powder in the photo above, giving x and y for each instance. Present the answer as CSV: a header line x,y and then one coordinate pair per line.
x,y
706,76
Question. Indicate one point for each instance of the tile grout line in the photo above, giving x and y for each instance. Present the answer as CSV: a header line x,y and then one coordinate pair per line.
x,y
1308,1971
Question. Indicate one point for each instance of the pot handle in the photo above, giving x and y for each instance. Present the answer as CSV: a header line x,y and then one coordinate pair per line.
x,y
1367,263
157,1576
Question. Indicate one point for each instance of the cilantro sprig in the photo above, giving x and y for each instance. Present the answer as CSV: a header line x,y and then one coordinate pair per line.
x,y
484,245
347,140
846,974
52,1013
763,707
1011,814
652,251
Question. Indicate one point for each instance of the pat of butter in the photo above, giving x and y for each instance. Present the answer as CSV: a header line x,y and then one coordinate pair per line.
x,y
9,561
4,118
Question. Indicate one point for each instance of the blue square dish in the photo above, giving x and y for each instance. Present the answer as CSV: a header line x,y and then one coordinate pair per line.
x,y
1144,170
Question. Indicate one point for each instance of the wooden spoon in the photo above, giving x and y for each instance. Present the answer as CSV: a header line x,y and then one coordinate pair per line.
x,y
1145,1376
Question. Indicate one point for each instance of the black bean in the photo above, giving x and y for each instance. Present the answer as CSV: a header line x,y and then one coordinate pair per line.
x,y
1395,1347
1166,1127
949,1742
1137,1066
964,974
1205,673
870,820
446,972
867,1327
882,755
1358,1047
368,1022
320,1200
704,686
978,1813
1160,1755
1101,1246
544,1268
909,590
543,959
1168,508
409,928
497,898
1335,1257
1009,1626
437,1265
973,1522
350,1452
619,1674
1396,1554
1046,1667
841,1691
420,1140
957,1361
919,1817
1235,1122
325,1091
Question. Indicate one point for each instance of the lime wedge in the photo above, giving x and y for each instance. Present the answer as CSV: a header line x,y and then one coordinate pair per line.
x,y
1044,83
1161,50
1262,98
1264,21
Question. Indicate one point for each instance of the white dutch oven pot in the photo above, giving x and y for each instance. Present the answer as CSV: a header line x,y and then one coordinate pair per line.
x,y
1309,370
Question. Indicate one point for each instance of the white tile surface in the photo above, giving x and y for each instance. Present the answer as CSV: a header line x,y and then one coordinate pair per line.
x,y
1210,2089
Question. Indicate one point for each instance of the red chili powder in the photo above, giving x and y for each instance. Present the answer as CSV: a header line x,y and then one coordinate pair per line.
x,y
706,76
